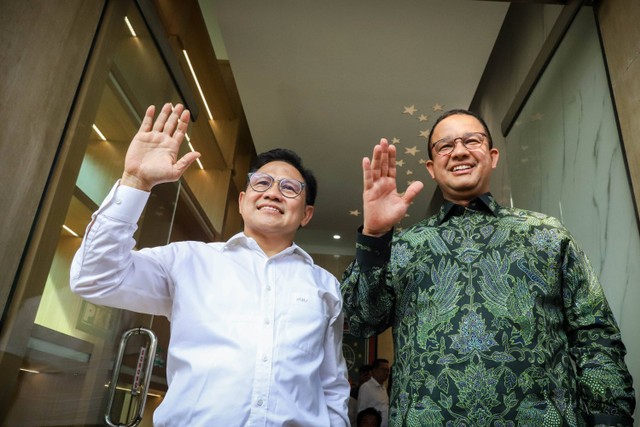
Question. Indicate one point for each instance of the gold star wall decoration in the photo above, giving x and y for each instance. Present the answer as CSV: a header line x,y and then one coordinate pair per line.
x,y
413,150
408,159
410,110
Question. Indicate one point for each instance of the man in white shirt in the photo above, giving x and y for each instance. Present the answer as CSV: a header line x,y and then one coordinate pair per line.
x,y
256,326
372,394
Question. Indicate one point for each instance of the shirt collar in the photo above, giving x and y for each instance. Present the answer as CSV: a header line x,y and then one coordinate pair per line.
x,y
375,381
242,239
483,203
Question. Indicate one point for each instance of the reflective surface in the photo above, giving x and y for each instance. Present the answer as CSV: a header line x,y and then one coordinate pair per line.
x,y
68,360
565,159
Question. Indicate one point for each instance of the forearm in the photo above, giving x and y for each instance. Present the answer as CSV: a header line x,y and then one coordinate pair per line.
x,y
368,295
604,382
106,270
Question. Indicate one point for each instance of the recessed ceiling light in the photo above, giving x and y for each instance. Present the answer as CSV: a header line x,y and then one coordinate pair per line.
x,y
336,236
70,230
131,30
100,134
192,149
195,78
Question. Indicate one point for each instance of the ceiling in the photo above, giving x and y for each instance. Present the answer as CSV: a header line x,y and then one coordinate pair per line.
x,y
329,78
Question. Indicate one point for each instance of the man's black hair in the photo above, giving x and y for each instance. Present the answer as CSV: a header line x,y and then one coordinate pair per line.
x,y
453,113
369,411
379,362
289,156
364,368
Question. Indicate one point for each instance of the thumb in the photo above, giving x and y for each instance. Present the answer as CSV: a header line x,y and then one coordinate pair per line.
x,y
185,161
412,191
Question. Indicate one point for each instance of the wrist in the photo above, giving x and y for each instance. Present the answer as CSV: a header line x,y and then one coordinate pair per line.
x,y
135,182
373,232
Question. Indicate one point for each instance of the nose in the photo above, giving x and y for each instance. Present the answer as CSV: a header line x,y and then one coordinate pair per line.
x,y
458,148
273,192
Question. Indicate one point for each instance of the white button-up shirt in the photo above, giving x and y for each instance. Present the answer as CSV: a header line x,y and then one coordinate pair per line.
x,y
371,394
255,341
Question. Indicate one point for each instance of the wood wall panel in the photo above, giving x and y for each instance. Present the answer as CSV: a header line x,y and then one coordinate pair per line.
x,y
43,50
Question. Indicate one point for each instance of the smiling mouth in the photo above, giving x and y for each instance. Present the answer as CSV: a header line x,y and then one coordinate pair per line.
x,y
270,209
461,168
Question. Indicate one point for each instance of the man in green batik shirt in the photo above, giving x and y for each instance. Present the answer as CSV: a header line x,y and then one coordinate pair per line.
x,y
498,318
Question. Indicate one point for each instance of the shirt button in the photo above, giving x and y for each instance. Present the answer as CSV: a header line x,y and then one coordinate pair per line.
x,y
118,202
260,402
266,321
268,287
265,358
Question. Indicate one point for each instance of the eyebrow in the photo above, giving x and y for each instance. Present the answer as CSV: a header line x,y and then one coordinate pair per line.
x,y
464,134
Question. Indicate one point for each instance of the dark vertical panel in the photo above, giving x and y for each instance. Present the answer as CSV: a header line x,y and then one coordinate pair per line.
x,y
43,51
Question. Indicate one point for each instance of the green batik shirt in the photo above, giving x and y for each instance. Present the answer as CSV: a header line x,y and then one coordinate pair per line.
x,y
498,320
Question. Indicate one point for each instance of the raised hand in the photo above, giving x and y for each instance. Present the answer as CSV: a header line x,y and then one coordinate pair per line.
x,y
383,206
152,157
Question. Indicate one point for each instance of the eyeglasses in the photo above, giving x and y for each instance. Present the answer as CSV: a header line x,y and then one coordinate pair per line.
x,y
471,141
289,187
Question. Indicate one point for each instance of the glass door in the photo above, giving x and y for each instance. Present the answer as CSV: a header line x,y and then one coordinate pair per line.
x,y
62,349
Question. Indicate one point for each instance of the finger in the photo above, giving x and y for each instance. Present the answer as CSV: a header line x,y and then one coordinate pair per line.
x,y
183,123
182,126
158,126
366,174
173,120
147,121
184,162
376,160
384,158
391,172
412,191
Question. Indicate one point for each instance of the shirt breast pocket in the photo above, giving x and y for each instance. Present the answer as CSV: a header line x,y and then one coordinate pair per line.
x,y
306,322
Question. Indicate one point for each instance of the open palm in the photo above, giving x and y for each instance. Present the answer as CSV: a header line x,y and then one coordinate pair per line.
x,y
383,206
152,157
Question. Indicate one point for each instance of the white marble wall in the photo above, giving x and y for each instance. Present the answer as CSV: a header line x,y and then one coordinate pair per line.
x,y
565,159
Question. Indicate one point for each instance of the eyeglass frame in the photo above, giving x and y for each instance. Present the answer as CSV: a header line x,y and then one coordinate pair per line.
x,y
272,179
462,139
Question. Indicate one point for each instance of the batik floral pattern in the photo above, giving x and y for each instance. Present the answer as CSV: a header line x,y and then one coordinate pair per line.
x,y
498,320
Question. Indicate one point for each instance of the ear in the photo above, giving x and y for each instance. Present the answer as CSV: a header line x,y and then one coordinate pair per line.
x,y
308,213
429,166
495,155
240,199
